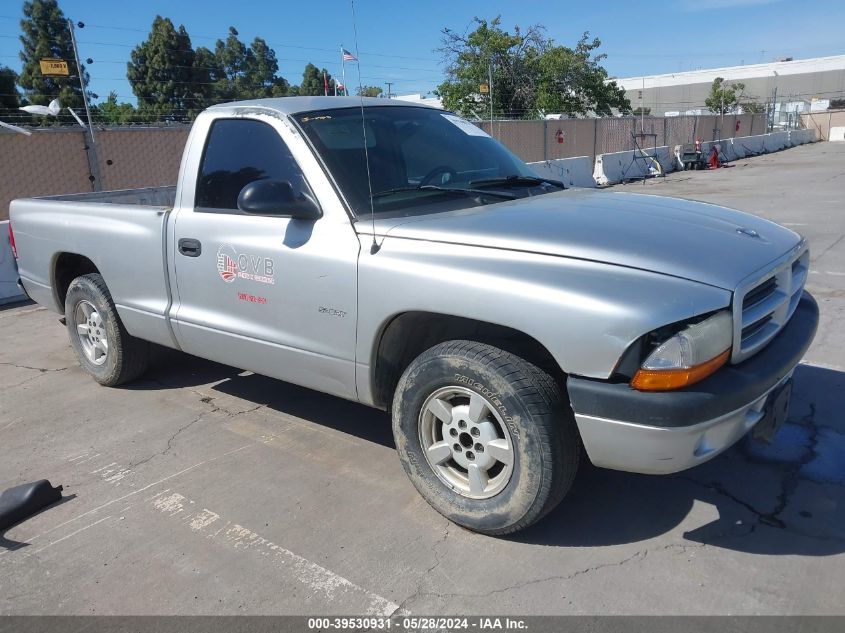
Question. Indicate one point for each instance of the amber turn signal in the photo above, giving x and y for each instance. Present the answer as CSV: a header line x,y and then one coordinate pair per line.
x,y
669,379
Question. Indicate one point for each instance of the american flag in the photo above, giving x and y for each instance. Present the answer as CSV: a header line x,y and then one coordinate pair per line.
x,y
348,57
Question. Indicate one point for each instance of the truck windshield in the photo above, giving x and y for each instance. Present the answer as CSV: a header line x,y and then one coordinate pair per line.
x,y
421,160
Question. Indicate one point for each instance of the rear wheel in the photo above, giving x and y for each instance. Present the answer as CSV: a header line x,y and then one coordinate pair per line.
x,y
102,345
484,436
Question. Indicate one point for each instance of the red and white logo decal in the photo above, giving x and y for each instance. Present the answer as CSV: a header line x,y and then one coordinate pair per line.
x,y
232,265
226,265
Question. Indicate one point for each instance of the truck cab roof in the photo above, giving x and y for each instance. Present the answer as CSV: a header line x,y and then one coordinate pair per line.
x,y
296,105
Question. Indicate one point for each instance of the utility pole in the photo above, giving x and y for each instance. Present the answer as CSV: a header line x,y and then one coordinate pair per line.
x,y
642,109
389,83
490,92
93,163
774,101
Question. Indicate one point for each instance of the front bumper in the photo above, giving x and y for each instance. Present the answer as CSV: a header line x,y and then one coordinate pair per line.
x,y
665,432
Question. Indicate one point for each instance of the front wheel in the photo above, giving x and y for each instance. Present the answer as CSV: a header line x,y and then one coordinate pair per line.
x,y
484,436
102,345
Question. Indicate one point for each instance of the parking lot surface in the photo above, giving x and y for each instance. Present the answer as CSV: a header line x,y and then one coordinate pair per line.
x,y
205,489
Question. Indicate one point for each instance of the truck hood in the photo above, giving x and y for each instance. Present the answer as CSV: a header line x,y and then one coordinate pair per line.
x,y
693,240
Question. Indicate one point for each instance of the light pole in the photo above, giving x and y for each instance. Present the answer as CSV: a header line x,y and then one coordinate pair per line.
x,y
81,79
93,163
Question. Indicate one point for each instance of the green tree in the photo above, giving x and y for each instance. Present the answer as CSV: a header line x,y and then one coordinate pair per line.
x,y
163,73
9,98
45,34
724,99
752,106
210,84
246,72
263,73
573,81
529,72
313,82
234,59
114,113
369,91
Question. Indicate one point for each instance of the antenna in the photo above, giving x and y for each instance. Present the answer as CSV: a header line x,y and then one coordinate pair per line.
x,y
374,247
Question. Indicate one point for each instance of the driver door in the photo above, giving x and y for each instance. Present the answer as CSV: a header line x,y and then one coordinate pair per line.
x,y
270,294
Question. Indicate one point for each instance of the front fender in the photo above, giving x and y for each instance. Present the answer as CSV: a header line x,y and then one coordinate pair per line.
x,y
584,313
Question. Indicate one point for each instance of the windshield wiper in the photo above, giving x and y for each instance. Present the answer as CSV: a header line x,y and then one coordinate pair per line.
x,y
452,190
516,181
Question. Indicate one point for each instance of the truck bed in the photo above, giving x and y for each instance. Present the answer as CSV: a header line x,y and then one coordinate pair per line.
x,y
158,197
122,233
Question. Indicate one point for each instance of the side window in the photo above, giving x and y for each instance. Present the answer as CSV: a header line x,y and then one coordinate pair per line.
x,y
238,152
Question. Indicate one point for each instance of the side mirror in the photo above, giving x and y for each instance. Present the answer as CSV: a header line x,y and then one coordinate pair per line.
x,y
277,197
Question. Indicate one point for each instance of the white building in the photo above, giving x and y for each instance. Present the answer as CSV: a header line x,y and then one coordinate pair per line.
x,y
422,99
797,81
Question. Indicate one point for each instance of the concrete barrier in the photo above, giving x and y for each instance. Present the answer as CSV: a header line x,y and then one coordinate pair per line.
x,y
806,136
616,167
664,157
775,141
799,137
9,291
751,145
573,172
726,149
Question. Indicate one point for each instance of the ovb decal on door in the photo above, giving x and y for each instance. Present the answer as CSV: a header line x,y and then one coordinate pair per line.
x,y
232,265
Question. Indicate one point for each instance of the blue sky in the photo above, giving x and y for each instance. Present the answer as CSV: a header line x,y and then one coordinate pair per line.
x,y
397,39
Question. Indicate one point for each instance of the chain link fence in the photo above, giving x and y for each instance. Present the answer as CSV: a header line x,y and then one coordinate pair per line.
x,y
62,159
59,160
566,138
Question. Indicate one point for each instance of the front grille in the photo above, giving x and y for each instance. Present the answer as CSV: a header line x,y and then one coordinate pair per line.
x,y
760,293
755,327
764,306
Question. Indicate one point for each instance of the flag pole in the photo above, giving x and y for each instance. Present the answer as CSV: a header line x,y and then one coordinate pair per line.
x,y
343,71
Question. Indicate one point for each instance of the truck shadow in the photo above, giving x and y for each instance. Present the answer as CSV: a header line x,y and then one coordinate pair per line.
x,y
784,498
175,370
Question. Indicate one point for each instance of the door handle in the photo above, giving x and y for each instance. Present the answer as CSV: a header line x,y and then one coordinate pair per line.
x,y
190,247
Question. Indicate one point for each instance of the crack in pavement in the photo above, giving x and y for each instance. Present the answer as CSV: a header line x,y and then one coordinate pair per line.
x,y
170,440
41,371
638,556
789,483
214,409
789,480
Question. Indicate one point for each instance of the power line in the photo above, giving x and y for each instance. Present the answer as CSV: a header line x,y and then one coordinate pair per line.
x,y
215,38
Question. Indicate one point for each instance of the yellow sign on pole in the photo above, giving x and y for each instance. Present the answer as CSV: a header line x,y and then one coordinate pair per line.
x,y
484,88
54,68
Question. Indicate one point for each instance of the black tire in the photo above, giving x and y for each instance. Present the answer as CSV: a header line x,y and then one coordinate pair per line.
x,y
127,357
542,430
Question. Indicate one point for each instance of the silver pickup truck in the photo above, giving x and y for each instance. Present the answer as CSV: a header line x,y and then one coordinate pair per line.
x,y
398,256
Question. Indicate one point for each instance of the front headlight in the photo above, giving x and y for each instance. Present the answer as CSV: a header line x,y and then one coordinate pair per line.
x,y
687,357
